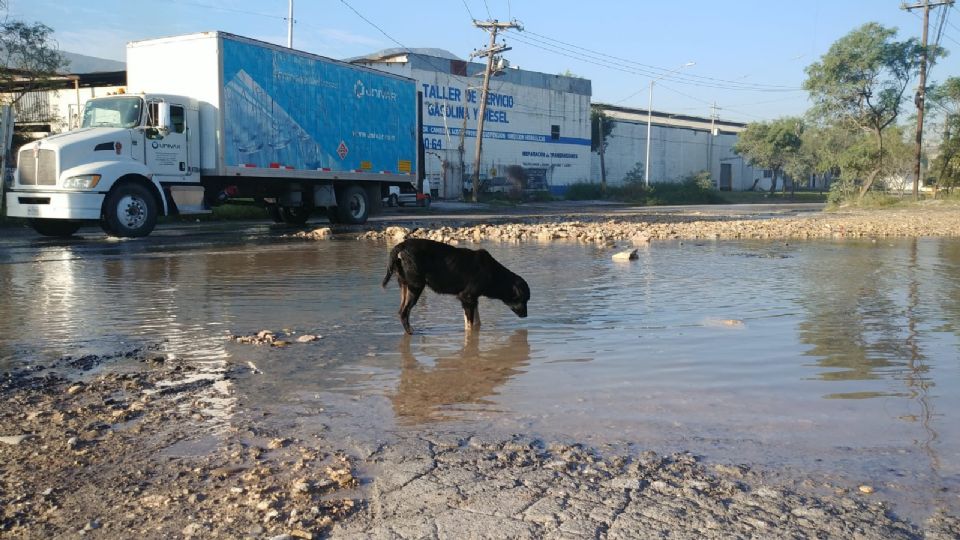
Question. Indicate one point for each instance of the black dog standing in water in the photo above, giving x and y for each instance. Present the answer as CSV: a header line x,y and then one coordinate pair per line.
x,y
467,273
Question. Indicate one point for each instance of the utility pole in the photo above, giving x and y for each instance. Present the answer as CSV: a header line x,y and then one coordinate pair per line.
x,y
490,52
922,86
290,25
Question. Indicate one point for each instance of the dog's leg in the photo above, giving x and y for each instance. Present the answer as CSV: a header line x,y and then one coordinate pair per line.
x,y
410,300
471,315
404,298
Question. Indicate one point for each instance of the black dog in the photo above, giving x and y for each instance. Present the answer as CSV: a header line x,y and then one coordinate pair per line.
x,y
466,273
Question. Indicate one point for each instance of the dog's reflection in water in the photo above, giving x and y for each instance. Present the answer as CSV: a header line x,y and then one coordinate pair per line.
x,y
470,377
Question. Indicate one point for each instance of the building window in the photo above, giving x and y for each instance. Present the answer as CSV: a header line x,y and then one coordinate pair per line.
x,y
458,67
555,132
767,173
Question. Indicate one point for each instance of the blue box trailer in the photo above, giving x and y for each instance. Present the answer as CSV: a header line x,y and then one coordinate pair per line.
x,y
295,131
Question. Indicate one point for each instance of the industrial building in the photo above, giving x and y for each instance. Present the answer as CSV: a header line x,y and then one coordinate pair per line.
x,y
536,132
680,146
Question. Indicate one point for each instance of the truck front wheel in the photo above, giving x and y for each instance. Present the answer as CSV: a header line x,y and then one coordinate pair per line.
x,y
55,227
353,205
131,211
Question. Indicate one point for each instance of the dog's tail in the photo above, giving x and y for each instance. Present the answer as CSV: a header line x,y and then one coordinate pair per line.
x,y
393,265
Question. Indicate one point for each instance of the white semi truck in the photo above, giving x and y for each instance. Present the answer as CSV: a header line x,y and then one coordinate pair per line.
x,y
213,116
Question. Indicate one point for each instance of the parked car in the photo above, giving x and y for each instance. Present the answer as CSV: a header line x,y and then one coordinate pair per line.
x,y
397,197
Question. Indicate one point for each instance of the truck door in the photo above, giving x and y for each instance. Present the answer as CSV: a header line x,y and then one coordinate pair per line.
x,y
166,153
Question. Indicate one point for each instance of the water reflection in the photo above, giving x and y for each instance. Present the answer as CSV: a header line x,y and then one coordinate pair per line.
x,y
857,321
470,376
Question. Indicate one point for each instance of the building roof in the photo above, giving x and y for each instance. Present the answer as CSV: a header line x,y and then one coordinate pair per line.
x,y
443,61
396,51
662,118
81,63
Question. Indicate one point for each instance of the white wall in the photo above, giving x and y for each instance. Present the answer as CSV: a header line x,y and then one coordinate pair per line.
x,y
675,152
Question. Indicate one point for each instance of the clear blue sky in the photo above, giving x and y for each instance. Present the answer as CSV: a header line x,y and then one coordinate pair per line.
x,y
761,47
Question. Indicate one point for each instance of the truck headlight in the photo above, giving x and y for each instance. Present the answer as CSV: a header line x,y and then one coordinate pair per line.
x,y
83,181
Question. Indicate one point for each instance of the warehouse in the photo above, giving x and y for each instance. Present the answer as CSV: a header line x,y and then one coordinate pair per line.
x,y
536,132
680,146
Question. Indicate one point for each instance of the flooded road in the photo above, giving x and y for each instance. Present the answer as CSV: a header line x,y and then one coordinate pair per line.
x,y
835,357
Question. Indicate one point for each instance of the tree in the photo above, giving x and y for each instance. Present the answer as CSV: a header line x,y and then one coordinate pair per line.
x,y
945,168
29,59
601,127
861,81
771,145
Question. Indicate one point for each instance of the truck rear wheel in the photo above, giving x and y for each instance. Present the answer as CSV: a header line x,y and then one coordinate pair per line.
x,y
131,211
55,227
294,215
353,205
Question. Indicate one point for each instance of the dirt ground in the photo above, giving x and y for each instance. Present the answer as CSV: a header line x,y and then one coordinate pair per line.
x,y
137,445
100,459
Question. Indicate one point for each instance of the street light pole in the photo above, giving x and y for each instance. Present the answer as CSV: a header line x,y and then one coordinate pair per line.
x,y
646,165
290,24
646,162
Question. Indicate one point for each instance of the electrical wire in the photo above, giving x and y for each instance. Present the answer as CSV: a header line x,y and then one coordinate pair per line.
x,y
231,10
610,64
371,23
470,13
653,70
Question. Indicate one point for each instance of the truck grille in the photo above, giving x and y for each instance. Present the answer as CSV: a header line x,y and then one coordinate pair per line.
x,y
39,171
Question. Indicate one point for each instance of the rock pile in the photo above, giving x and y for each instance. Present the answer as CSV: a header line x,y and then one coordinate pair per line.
x,y
915,221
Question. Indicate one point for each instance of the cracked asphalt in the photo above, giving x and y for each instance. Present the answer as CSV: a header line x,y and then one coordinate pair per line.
x,y
445,486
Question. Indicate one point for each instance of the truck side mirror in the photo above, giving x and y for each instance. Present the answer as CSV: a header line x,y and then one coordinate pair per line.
x,y
164,123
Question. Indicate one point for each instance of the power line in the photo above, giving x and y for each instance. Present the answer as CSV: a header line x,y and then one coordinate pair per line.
x,y
231,10
950,24
368,21
610,64
470,13
654,70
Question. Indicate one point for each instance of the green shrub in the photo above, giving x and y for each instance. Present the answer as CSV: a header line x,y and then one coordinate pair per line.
x,y
583,191
635,175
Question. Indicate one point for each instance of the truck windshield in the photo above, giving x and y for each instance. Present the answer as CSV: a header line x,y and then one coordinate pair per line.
x,y
118,112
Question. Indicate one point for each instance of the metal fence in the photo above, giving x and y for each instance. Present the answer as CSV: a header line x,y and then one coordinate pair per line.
x,y
34,107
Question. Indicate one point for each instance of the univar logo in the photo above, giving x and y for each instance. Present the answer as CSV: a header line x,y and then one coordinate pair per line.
x,y
379,93
166,146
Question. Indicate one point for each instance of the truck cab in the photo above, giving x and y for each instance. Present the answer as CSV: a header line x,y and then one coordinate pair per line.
x,y
124,167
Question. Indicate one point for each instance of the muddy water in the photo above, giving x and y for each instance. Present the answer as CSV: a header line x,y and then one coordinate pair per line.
x,y
838,358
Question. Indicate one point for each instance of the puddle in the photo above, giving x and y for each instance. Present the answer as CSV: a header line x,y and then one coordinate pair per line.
x,y
826,356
